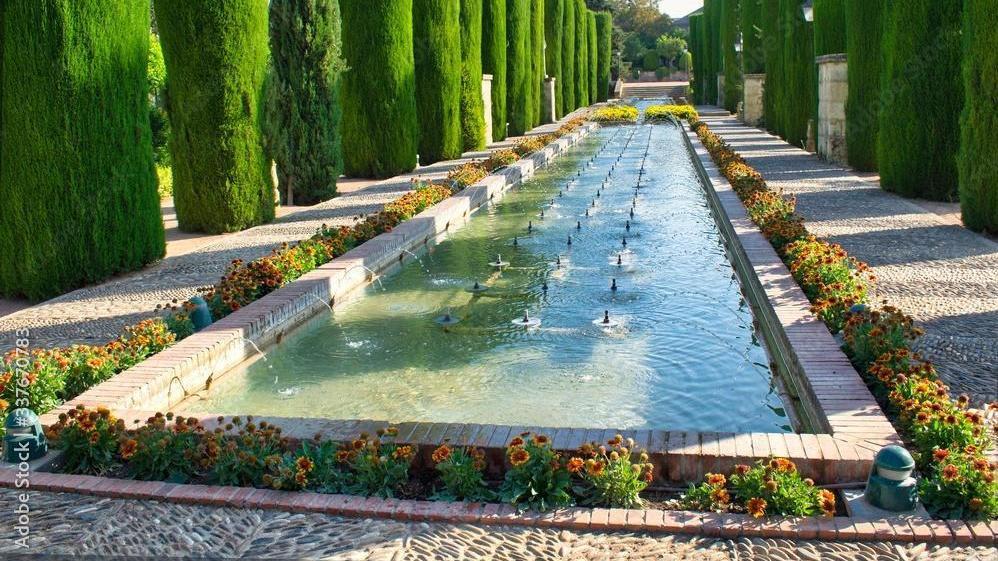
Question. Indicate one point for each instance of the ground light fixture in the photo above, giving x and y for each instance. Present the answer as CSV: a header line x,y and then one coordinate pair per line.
x,y
890,485
807,9
24,439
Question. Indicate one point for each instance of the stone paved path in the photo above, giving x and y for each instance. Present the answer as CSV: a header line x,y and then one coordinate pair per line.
x,y
942,274
76,525
96,314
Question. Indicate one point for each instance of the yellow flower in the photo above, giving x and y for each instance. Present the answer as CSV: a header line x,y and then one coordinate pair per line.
x,y
518,457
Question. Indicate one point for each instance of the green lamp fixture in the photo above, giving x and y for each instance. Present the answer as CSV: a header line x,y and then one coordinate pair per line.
x,y
890,485
24,439
200,315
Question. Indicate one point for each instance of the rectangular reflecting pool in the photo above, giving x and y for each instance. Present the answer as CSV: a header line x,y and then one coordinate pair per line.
x,y
679,352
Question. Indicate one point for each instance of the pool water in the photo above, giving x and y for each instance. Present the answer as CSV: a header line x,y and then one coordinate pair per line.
x,y
680,352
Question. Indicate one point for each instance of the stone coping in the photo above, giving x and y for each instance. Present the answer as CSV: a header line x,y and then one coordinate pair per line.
x,y
901,528
836,57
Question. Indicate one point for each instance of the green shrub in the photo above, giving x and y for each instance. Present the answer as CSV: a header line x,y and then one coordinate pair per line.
x,y
650,61
604,53
554,13
864,31
772,43
712,42
697,82
536,478
380,127
303,112
159,122
799,103
494,61
581,54
731,65
518,66
78,198
919,130
612,475
537,47
437,44
830,27
460,472
615,114
472,107
593,63
216,56
979,122
773,487
570,101
750,25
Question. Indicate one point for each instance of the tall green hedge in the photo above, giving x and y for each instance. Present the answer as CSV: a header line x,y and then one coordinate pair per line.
x,y
380,128
78,198
864,35
437,52
554,13
604,50
979,123
303,109
518,68
731,65
698,83
830,26
537,58
494,60
472,105
581,54
772,43
569,101
216,59
712,33
593,58
800,96
920,125
750,25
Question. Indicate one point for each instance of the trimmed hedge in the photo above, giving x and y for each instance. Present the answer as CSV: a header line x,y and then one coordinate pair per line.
x,y
712,57
472,104
979,122
537,59
750,25
830,27
919,127
799,103
569,101
731,65
554,13
216,59
772,43
303,106
581,54
380,128
518,70
604,50
78,199
437,52
593,58
864,34
697,83
494,60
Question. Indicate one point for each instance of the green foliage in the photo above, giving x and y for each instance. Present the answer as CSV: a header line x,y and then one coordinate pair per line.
x,y
216,57
518,66
380,127
799,74
772,43
380,466
698,81
88,440
829,27
156,452
650,61
303,109
494,61
581,54
731,65
604,52
77,182
919,130
960,486
460,472
773,487
472,108
593,63
612,476
536,478
570,101
537,59
750,25
615,114
437,44
864,31
554,13
712,41
978,163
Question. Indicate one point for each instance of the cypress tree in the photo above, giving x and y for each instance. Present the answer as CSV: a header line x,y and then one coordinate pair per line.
x,y
697,84
537,58
830,27
570,102
581,54
750,23
78,199
711,26
864,35
604,48
554,13
437,42
772,33
518,67
303,132
731,66
979,122
920,126
593,57
472,108
216,59
799,103
380,128
494,61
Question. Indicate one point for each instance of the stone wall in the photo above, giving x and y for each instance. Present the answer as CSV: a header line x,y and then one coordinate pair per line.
x,y
487,101
720,90
547,101
752,109
833,89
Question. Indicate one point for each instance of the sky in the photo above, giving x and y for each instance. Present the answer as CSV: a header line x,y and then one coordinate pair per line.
x,y
679,8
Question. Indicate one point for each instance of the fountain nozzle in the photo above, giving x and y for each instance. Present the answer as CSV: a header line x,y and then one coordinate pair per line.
x,y
606,316
613,285
620,261
624,241
627,226
569,240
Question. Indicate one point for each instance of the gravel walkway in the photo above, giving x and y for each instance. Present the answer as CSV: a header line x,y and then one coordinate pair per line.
x,y
943,274
96,528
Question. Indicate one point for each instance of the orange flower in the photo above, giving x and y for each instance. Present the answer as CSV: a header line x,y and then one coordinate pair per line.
x,y
127,448
403,453
742,469
441,454
771,486
716,479
301,478
720,496
575,465
940,454
975,504
519,456
950,472
541,440
517,441
757,507
305,464
595,468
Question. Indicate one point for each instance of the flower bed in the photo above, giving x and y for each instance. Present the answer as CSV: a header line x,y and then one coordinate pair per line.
x,y
664,112
949,441
615,114
56,375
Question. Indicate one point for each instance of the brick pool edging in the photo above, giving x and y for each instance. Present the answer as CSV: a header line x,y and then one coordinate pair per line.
x,y
897,529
